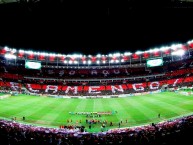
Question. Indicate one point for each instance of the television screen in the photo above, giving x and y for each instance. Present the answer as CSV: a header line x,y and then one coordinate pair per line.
x,y
33,65
154,62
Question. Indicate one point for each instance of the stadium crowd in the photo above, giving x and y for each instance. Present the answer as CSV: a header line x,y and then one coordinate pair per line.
x,y
164,133
59,81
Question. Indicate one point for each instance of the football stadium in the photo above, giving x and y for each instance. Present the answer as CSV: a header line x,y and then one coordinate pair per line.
x,y
100,94
114,93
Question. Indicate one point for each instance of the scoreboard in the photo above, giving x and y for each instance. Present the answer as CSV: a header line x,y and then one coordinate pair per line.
x,y
32,64
154,62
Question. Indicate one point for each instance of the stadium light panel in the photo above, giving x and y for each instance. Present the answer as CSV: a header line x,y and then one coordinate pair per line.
x,y
189,42
127,53
29,52
155,49
13,50
175,46
70,62
149,51
178,52
117,54
164,48
59,55
10,56
138,52
89,62
6,48
110,55
75,55
99,55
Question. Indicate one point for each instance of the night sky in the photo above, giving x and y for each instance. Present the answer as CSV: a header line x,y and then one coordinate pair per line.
x,y
91,30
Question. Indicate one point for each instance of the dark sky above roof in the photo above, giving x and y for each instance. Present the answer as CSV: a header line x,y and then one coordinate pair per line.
x,y
92,27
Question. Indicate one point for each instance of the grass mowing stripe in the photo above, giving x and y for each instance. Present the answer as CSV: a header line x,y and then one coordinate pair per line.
x,y
89,105
155,105
17,101
168,110
12,109
97,107
81,105
170,104
77,119
164,107
63,113
137,109
182,101
122,111
135,112
46,106
180,96
149,113
71,107
53,114
59,114
105,106
108,105
173,97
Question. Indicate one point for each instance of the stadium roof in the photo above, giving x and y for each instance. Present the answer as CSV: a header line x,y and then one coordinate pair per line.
x,y
97,26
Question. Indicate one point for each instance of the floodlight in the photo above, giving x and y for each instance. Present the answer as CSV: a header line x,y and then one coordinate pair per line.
x,y
127,53
178,52
139,52
89,62
10,56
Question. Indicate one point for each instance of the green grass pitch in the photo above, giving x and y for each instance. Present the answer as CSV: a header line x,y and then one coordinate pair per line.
x,y
137,110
